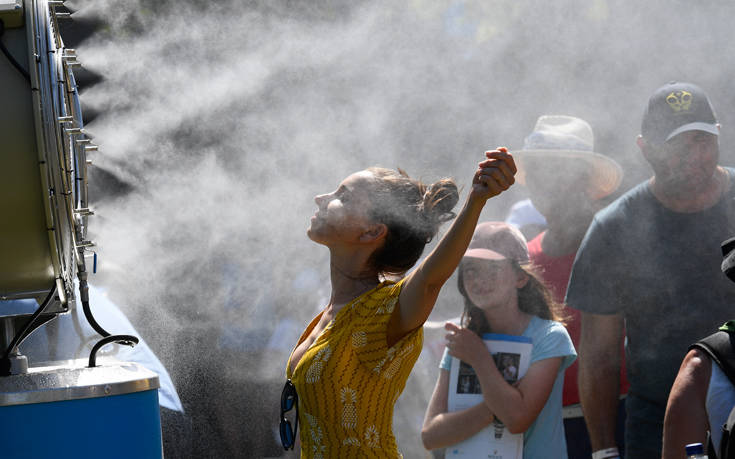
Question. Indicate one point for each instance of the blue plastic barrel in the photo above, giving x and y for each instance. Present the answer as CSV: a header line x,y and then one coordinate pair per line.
x,y
108,411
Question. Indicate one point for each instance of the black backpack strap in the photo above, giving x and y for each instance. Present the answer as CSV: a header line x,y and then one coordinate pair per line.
x,y
727,444
720,347
710,450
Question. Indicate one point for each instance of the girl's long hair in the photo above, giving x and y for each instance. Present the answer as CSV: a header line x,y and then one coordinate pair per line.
x,y
534,298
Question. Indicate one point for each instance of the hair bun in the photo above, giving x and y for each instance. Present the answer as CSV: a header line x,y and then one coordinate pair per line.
x,y
412,212
439,200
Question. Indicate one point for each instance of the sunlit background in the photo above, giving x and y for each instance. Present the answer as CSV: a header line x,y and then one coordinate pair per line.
x,y
219,121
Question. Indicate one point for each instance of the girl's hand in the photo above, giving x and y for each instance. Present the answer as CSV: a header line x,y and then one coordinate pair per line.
x,y
494,175
465,345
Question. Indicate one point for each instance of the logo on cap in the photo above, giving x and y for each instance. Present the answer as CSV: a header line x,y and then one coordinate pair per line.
x,y
679,100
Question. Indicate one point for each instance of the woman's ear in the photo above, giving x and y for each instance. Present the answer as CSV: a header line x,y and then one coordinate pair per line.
x,y
374,232
522,280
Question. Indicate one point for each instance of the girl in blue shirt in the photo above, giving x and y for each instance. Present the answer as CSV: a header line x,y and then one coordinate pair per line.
x,y
503,296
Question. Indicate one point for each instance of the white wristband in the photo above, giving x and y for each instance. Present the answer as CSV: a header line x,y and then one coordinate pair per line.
x,y
609,453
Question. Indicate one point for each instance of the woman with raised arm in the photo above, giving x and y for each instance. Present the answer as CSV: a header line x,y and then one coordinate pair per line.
x,y
502,295
352,361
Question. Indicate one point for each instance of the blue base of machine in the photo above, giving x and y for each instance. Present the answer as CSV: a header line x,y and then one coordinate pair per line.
x,y
120,426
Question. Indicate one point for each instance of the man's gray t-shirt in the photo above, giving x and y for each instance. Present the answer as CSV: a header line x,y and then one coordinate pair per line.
x,y
661,270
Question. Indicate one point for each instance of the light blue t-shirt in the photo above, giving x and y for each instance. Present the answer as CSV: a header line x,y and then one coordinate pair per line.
x,y
545,437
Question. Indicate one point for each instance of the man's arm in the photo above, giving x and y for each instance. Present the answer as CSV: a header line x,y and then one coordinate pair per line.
x,y
686,416
599,376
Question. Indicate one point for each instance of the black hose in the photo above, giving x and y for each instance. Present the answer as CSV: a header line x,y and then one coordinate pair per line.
x,y
10,57
128,340
5,362
90,318
84,297
84,340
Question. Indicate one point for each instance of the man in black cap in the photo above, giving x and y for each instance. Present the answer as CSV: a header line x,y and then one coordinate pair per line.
x,y
650,261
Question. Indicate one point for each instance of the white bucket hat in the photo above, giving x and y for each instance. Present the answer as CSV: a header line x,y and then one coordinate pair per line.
x,y
560,136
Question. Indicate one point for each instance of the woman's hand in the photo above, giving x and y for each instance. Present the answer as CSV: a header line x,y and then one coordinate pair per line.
x,y
466,345
494,175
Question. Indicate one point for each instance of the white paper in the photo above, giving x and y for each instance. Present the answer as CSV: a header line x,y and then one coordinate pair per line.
x,y
512,355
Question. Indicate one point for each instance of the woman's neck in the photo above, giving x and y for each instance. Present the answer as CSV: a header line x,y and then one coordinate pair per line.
x,y
349,281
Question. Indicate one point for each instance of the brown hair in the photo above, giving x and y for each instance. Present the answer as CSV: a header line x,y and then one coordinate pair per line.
x,y
534,298
412,212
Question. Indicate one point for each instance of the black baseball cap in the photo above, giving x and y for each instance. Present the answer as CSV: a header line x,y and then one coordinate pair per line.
x,y
675,108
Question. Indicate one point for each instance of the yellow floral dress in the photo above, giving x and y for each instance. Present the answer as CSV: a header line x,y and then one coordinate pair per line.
x,y
349,380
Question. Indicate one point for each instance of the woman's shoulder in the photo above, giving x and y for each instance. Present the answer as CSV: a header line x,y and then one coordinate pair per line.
x,y
387,289
381,299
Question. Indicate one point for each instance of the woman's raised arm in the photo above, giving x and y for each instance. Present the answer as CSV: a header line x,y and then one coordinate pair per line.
x,y
421,287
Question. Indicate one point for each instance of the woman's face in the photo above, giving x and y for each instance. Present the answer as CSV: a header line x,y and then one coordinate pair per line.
x,y
489,283
342,215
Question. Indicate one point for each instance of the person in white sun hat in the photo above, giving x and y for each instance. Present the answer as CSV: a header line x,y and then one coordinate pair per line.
x,y
567,182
